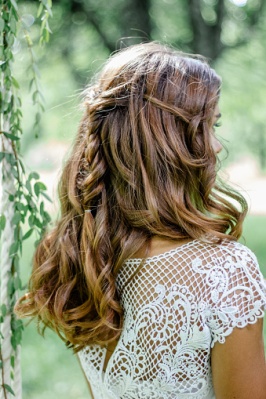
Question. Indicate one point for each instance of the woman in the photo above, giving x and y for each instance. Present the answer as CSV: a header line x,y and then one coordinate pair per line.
x,y
142,274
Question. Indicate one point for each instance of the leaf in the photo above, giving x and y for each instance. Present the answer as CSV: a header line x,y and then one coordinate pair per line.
x,y
28,234
16,233
14,248
10,287
42,208
39,10
35,96
2,156
34,175
31,83
14,4
16,263
22,166
2,222
16,218
46,216
17,283
31,220
11,136
28,39
30,202
28,186
46,196
48,5
3,310
37,118
10,40
15,83
20,207
7,387
15,14
38,223
13,342
2,24
13,25
38,187
17,334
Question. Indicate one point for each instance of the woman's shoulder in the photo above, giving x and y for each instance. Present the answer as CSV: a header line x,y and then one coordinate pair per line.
x,y
236,289
226,248
232,255
205,248
235,246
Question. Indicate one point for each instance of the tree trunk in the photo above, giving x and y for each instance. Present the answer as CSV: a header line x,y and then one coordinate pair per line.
x,y
136,22
206,35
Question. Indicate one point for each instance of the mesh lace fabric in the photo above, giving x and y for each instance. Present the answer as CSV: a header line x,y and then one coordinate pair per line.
x,y
175,308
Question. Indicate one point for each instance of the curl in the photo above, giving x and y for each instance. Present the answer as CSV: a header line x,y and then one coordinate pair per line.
x,y
142,165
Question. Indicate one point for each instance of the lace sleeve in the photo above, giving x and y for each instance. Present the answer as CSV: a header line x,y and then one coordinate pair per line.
x,y
238,292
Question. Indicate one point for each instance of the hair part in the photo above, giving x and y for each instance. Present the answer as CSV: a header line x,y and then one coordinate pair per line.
x,y
142,165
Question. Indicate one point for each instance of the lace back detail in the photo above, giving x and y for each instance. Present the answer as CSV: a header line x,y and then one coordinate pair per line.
x,y
176,307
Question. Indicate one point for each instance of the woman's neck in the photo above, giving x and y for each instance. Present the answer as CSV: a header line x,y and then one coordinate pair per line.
x,y
159,245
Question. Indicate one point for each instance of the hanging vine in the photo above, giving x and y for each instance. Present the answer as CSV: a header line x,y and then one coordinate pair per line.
x,y
22,209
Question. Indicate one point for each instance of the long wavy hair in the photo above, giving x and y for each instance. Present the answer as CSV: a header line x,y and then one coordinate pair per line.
x,y
142,165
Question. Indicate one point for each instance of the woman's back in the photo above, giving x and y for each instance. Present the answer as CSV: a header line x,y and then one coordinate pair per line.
x,y
176,307
144,165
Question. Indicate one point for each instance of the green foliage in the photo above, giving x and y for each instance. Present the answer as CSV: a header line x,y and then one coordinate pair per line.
x,y
2,223
9,389
43,13
76,50
243,99
27,201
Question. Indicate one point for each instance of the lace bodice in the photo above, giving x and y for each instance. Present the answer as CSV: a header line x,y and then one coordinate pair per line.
x,y
175,308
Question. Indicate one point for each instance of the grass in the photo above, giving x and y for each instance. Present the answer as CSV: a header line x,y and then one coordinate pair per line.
x,y
49,370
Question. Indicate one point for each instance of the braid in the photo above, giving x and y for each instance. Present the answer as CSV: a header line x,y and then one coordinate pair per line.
x,y
96,250
142,165
93,167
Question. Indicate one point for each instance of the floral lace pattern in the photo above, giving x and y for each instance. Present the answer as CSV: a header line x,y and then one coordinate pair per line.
x,y
175,308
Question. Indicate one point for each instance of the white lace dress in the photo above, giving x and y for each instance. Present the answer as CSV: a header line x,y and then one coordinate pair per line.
x,y
176,307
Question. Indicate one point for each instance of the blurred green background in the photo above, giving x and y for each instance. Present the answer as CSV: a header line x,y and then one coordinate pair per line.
x,y
230,33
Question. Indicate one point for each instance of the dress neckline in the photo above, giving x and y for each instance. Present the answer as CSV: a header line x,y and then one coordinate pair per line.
x,y
164,254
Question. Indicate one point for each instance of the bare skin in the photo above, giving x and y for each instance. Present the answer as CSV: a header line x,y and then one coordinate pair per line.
x,y
238,365
158,246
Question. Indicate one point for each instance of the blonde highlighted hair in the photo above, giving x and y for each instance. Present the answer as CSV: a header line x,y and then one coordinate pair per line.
x,y
142,165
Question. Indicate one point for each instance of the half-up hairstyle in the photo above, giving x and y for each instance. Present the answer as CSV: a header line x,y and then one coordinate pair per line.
x,y
142,165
